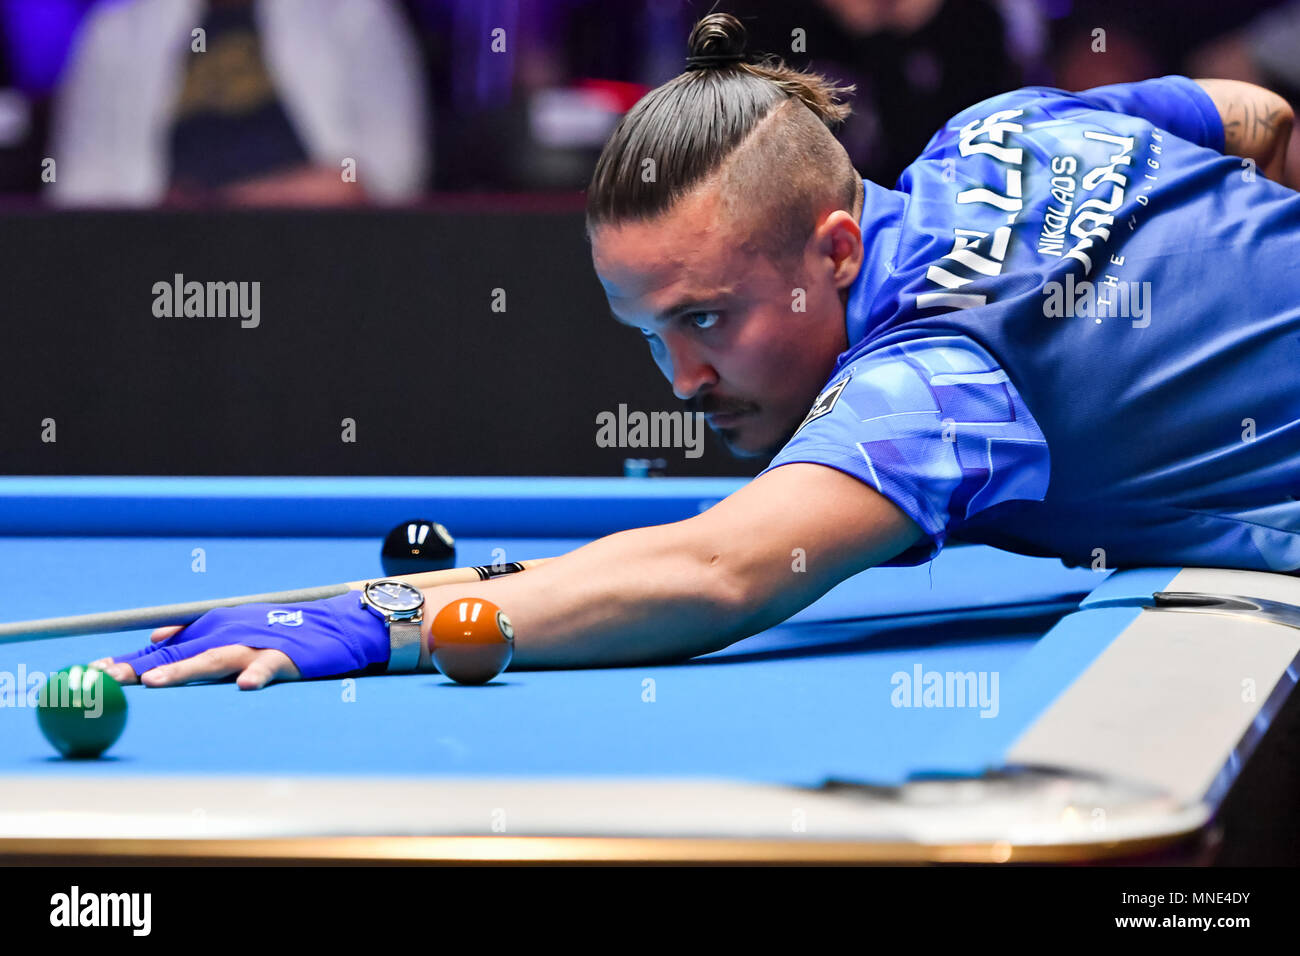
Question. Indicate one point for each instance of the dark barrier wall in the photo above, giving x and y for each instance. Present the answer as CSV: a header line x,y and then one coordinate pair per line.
x,y
381,318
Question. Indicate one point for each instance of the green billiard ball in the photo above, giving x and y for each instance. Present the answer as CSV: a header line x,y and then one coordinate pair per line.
x,y
81,711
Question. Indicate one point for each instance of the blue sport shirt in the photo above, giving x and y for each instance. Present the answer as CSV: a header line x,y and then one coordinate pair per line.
x,y
1076,333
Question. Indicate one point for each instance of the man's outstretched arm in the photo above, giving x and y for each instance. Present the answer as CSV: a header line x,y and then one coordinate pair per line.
x,y
658,594
674,591
1257,125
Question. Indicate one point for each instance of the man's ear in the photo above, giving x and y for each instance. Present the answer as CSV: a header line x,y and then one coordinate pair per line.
x,y
839,240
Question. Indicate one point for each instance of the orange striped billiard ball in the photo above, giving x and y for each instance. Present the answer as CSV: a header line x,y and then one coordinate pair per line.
x,y
471,641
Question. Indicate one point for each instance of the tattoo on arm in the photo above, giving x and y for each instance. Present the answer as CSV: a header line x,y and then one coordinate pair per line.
x,y
1253,126
1256,123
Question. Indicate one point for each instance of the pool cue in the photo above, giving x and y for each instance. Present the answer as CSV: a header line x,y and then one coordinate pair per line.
x,y
167,615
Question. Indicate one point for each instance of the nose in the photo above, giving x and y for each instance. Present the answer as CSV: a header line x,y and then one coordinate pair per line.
x,y
688,372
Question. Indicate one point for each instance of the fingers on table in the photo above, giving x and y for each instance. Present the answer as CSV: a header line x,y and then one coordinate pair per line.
x,y
126,674
122,673
267,666
213,664
256,668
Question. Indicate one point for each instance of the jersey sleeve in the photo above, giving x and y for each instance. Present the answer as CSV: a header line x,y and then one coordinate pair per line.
x,y
935,425
1173,103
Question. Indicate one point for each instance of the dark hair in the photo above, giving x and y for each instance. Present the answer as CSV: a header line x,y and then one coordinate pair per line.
x,y
758,126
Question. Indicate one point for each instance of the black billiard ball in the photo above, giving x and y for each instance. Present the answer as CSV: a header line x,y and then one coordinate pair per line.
x,y
419,545
81,712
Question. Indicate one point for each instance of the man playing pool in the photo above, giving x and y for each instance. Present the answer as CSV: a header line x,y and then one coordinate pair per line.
x,y
1073,329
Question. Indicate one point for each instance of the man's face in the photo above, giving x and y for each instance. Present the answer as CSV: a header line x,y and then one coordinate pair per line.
x,y
721,319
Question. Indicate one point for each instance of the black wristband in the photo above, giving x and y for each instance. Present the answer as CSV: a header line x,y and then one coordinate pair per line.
x,y
497,570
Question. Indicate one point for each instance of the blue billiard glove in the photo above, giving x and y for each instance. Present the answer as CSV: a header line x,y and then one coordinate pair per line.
x,y
323,638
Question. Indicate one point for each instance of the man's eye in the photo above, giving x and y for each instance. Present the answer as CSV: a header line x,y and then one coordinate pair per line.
x,y
704,320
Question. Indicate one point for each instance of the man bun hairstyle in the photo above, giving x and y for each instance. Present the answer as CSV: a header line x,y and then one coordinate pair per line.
x,y
717,40
757,128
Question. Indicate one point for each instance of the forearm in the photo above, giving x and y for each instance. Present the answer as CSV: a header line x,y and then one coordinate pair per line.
x,y
638,596
1257,125
675,591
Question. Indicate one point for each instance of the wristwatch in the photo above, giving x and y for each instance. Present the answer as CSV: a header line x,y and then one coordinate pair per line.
x,y
402,609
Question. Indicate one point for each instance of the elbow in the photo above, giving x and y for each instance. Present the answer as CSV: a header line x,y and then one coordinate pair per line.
x,y
729,590
743,596
726,599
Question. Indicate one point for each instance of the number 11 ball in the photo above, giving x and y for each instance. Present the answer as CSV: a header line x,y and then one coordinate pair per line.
x,y
471,641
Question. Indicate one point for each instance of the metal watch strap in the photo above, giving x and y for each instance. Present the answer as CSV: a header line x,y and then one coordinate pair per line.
x,y
403,645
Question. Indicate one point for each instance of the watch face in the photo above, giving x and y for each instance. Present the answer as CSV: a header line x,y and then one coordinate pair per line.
x,y
394,595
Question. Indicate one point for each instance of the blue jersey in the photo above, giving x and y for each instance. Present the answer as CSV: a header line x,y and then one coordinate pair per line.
x,y
1076,333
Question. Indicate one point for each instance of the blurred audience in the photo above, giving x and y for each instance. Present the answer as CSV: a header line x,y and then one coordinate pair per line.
x,y
1100,48
1096,42
285,91
534,114
1267,53
22,127
915,63
530,91
258,102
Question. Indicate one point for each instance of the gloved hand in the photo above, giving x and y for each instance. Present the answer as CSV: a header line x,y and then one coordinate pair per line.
x,y
321,638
